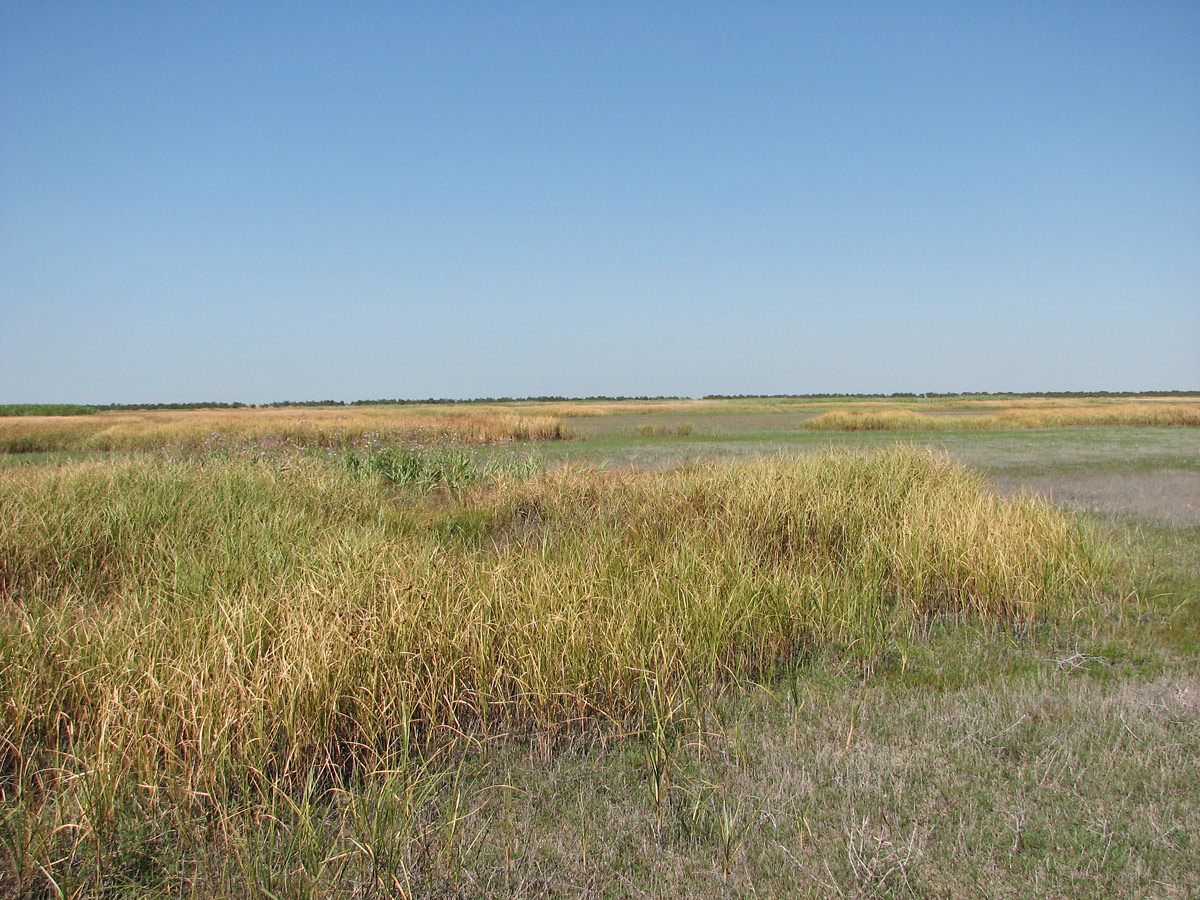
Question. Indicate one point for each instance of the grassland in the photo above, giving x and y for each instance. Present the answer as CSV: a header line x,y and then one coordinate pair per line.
x,y
269,429
45,409
672,657
65,428
1066,415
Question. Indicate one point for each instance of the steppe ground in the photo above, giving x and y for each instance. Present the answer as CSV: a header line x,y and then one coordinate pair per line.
x,y
1064,763
1150,473
974,761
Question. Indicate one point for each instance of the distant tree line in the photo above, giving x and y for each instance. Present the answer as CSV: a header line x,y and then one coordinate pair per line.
x,y
444,401
900,395
82,409
129,407
77,409
45,409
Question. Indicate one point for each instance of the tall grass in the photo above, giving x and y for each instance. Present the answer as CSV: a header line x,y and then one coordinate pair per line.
x,y
302,598
190,633
451,467
239,428
1124,413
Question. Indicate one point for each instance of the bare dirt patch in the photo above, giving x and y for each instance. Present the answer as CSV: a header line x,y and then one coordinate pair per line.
x,y
1169,496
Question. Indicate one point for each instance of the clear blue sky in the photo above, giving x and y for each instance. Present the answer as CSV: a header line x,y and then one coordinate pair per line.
x,y
210,201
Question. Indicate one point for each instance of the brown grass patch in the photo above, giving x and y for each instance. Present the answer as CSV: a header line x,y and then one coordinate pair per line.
x,y
1127,413
322,427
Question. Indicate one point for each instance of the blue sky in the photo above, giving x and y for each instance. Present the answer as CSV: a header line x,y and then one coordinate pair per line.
x,y
254,202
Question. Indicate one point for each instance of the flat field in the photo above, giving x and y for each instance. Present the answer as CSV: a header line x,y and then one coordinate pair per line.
x,y
681,648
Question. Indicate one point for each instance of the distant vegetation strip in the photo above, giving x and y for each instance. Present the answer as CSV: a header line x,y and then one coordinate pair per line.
x,y
80,409
445,401
45,409
207,404
964,395
309,404
50,409
1131,413
253,429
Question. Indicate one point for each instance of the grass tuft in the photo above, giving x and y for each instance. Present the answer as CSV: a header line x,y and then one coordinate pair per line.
x,y
232,640
209,430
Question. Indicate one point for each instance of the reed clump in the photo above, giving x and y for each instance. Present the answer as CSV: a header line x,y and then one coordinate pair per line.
x,y
208,430
190,630
226,604
1144,414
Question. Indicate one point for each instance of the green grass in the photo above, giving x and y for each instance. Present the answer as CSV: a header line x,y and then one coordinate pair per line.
x,y
57,457
453,468
618,443
1039,780
45,409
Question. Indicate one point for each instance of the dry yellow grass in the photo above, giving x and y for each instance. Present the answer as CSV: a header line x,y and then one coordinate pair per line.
x,y
216,641
941,405
202,608
1126,413
319,427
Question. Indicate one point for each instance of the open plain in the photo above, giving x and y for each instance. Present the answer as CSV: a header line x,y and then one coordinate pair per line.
x,y
576,625
715,648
